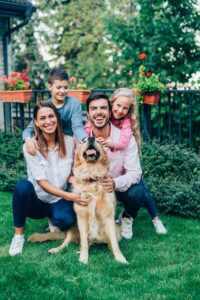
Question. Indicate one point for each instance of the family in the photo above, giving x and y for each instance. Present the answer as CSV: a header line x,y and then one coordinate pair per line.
x,y
50,141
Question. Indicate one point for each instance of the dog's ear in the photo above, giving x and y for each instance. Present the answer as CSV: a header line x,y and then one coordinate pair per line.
x,y
77,161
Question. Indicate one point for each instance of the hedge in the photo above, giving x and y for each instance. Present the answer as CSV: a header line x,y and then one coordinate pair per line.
x,y
171,173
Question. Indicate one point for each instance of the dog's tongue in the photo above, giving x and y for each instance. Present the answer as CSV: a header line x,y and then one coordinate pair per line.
x,y
90,151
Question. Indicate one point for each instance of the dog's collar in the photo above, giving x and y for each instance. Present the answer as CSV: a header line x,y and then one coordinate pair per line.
x,y
91,180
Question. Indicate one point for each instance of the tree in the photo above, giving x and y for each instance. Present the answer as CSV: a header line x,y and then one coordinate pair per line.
x,y
165,30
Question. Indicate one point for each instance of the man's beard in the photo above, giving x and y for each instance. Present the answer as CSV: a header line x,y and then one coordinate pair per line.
x,y
99,126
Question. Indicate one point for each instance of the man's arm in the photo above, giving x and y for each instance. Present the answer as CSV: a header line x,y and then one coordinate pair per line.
x,y
132,167
77,122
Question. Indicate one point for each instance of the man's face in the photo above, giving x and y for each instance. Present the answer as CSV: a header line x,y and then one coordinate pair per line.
x,y
59,90
99,113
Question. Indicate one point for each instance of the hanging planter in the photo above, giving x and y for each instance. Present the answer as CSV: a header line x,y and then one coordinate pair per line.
x,y
20,96
151,98
82,95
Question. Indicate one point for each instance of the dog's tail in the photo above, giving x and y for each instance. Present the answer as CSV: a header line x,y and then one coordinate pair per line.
x,y
43,237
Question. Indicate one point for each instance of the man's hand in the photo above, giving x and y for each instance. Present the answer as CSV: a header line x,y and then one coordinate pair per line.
x,y
108,184
30,145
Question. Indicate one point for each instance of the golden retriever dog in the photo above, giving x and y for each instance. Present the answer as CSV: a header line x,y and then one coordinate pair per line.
x,y
96,221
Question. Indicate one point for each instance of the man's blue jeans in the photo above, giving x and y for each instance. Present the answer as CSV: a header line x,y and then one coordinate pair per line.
x,y
26,204
135,197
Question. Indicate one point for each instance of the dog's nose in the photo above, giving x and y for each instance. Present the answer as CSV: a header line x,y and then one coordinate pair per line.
x,y
91,139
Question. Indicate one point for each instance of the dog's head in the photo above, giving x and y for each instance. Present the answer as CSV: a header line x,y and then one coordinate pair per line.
x,y
90,151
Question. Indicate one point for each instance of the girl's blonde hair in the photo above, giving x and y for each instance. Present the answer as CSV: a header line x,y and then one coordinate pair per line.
x,y
124,92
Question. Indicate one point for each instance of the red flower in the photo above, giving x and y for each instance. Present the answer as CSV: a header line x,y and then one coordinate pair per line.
x,y
24,71
148,74
25,78
142,56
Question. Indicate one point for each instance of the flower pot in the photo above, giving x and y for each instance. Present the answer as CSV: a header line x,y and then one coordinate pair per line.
x,y
82,95
151,98
22,96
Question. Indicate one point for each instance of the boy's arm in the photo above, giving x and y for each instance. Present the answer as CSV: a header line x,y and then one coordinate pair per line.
x,y
28,131
27,137
77,122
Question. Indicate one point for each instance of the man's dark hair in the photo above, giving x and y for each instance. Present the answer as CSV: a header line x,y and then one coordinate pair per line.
x,y
97,96
57,73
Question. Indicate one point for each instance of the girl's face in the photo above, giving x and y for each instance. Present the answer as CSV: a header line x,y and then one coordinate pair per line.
x,y
120,107
46,120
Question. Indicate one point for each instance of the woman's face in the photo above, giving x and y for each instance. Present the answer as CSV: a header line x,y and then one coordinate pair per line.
x,y
46,120
120,107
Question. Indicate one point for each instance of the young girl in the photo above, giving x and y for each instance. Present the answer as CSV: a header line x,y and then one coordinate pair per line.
x,y
124,116
45,192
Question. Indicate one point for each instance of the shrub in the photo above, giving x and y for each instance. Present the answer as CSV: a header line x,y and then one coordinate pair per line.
x,y
172,174
12,164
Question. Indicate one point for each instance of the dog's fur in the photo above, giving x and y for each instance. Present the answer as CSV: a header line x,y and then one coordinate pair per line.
x,y
96,221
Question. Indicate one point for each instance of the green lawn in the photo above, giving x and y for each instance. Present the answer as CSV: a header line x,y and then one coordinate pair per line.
x,y
160,267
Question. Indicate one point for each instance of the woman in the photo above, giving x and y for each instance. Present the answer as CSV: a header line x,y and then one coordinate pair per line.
x,y
45,194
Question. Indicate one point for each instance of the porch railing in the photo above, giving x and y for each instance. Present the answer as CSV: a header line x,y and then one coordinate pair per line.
x,y
176,118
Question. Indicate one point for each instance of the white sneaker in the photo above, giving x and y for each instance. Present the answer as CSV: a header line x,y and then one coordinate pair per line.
x,y
126,226
53,228
160,228
17,245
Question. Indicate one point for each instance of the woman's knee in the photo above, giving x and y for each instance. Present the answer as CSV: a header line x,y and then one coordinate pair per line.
x,y
23,187
64,221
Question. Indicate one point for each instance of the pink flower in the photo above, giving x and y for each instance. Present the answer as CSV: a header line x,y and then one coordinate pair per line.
x,y
73,79
130,73
27,85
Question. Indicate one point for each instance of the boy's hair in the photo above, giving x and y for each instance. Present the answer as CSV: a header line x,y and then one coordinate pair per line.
x,y
57,73
59,135
97,96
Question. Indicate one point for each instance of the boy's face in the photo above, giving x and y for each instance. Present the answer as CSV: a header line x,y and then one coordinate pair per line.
x,y
59,90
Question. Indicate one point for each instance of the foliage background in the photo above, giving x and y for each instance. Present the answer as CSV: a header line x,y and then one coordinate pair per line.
x,y
99,41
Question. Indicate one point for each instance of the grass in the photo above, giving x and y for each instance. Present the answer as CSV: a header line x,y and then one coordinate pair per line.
x,y
160,267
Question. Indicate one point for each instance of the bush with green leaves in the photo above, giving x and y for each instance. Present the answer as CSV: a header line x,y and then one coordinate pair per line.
x,y
171,173
12,164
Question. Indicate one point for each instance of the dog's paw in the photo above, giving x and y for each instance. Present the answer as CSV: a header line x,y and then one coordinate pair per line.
x,y
120,258
34,238
53,250
83,258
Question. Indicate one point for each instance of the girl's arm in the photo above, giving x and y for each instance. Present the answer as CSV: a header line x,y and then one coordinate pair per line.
x,y
88,127
125,135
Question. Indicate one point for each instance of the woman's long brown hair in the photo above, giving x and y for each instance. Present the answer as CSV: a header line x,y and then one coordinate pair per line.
x,y
59,135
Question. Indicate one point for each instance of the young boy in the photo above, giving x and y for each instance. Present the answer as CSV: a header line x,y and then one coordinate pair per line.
x,y
68,107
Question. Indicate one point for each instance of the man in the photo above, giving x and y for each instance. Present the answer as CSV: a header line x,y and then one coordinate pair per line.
x,y
124,168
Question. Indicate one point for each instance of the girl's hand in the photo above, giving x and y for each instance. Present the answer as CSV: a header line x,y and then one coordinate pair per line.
x,y
104,143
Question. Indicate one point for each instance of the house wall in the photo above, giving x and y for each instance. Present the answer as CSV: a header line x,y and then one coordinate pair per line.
x,y
3,29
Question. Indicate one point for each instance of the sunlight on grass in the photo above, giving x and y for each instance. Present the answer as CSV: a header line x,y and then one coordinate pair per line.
x,y
160,267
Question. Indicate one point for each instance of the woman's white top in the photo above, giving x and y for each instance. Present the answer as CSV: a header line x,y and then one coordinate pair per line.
x,y
54,169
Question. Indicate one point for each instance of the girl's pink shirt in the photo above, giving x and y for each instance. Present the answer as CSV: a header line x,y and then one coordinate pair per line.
x,y
125,134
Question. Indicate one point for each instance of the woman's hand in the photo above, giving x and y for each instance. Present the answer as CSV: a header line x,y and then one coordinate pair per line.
x,y
76,198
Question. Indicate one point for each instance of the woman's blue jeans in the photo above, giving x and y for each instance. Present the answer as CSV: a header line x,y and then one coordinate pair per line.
x,y
26,204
